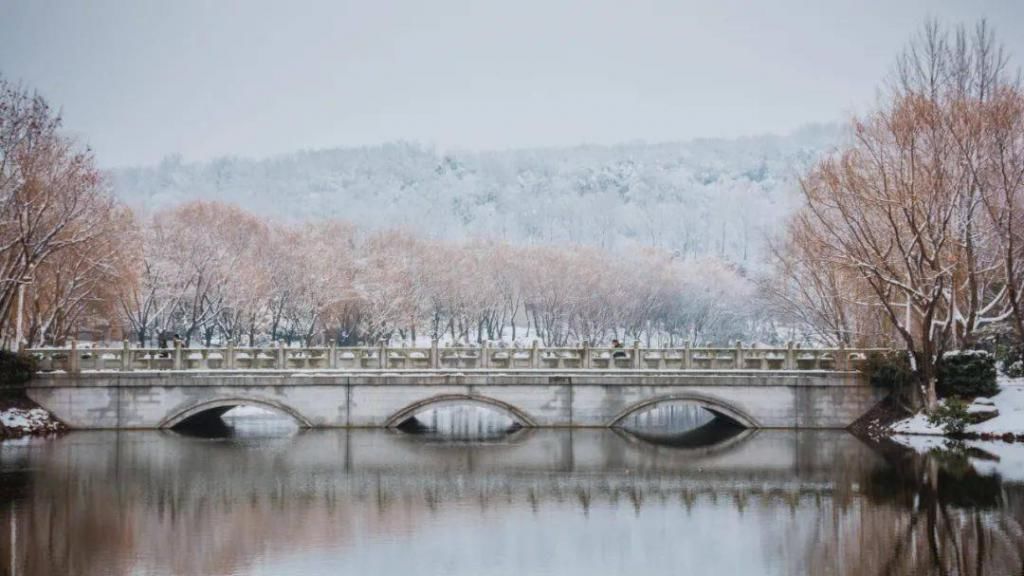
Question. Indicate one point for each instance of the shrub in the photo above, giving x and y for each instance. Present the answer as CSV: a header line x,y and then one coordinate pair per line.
x,y
951,416
1007,355
889,370
1015,370
967,374
15,369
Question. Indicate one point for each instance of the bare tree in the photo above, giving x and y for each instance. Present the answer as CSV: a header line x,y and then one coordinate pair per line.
x,y
895,221
51,199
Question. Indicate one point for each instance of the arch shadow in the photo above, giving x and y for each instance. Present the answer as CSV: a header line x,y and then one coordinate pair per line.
x,y
178,417
507,409
713,405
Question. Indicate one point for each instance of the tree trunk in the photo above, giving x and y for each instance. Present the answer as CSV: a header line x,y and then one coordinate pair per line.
x,y
18,328
926,374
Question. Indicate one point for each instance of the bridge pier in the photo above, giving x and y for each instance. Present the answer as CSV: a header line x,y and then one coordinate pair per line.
x,y
161,399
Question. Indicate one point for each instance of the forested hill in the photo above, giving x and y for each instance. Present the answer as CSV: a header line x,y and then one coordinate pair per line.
x,y
700,197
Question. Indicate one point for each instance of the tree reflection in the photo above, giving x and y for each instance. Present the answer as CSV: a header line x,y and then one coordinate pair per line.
x,y
815,502
928,514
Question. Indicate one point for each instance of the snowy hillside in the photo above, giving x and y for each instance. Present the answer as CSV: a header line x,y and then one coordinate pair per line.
x,y
701,197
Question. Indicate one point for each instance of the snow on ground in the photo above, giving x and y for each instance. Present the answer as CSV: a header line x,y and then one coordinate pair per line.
x,y
19,421
916,424
1009,402
1008,458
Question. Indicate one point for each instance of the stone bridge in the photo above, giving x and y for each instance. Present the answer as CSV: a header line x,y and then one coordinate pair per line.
x,y
138,388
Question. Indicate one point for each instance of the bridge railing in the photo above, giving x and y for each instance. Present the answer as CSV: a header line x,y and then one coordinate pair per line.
x,y
381,357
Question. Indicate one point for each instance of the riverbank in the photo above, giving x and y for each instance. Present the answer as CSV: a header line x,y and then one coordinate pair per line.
x,y
20,416
1002,418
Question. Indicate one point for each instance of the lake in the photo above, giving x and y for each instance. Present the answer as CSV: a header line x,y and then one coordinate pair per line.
x,y
263,498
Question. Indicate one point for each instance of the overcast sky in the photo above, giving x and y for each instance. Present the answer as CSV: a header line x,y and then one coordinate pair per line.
x,y
140,80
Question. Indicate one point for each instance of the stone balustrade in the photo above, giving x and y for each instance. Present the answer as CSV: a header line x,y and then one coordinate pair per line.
x,y
125,358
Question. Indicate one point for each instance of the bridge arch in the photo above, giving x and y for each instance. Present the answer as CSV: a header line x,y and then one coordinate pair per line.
x,y
505,408
179,416
710,404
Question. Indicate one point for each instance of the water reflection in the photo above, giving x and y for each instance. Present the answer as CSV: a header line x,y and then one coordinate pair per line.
x,y
537,502
670,419
461,422
238,422
683,425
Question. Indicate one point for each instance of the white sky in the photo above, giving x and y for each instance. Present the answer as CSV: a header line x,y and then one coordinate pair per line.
x,y
138,80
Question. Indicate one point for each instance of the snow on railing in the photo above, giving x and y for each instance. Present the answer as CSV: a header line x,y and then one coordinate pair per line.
x,y
381,357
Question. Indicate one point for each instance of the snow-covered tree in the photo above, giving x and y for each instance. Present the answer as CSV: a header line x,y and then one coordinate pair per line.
x,y
52,201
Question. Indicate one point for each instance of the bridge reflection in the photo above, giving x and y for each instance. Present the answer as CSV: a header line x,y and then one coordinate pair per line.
x,y
129,502
713,436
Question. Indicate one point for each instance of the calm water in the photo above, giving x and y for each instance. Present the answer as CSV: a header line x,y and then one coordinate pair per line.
x,y
274,501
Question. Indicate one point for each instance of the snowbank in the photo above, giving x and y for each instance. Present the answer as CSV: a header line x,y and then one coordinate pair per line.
x,y
1009,403
16,422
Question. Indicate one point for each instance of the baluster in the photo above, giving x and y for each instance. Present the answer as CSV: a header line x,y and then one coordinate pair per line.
x,y
738,359
176,362
687,356
74,366
126,356
637,361
790,362
535,354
